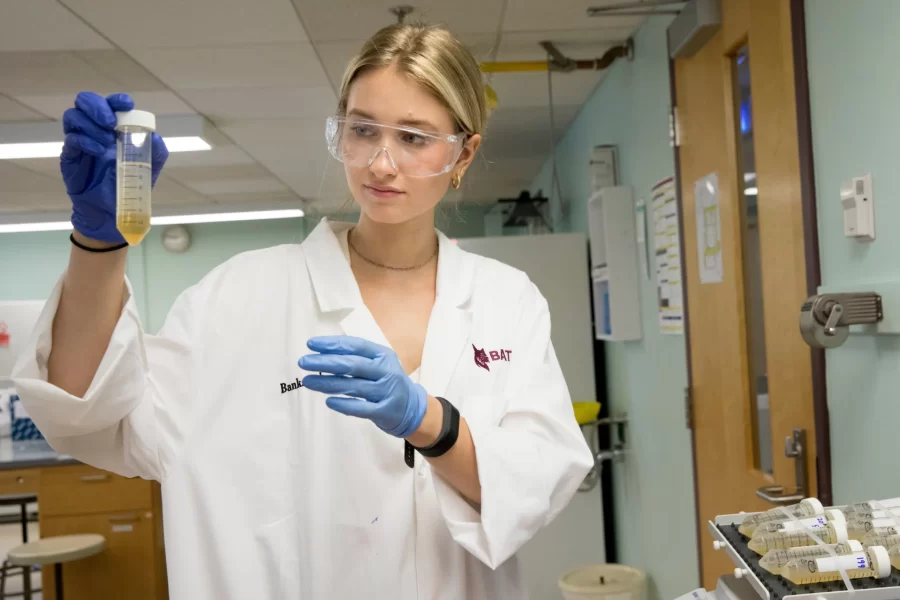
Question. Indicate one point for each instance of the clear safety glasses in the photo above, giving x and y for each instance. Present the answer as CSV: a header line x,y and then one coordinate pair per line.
x,y
357,143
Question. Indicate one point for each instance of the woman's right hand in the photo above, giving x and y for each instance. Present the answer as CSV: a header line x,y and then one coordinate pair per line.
x,y
88,163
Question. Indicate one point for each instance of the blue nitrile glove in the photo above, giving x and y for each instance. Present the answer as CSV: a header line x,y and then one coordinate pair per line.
x,y
373,374
88,163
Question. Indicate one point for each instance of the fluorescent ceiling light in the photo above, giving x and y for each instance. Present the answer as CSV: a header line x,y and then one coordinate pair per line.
x,y
34,150
258,215
23,227
751,191
186,144
53,149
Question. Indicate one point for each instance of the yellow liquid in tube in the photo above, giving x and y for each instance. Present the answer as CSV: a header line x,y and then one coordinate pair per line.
x,y
881,539
873,563
807,508
817,522
859,529
833,533
775,560
133,201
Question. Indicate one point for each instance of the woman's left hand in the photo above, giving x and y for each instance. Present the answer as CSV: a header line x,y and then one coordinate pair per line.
x,y
372,376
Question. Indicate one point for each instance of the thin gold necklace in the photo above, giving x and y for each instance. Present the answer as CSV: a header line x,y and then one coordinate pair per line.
x,y
389,267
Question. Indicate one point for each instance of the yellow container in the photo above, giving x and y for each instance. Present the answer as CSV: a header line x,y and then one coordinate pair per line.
x,y
585,412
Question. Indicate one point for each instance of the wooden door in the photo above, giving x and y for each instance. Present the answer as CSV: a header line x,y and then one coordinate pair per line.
x,y
127,567
736,107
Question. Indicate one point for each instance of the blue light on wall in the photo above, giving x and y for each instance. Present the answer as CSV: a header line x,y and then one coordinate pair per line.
x,y
746,123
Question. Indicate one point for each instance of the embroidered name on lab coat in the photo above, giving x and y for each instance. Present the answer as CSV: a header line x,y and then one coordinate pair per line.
x,y
482,357
287,387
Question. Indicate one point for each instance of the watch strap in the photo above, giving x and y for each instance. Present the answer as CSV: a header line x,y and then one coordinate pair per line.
x,y
449,432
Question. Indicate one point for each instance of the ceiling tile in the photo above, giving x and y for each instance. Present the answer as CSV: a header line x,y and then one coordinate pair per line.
x,y
337,20
44,73
14,178
267,65
248,187
120,68
11,110
44,166
218,156
517,90
32,25
159,103
335,58
263,103
168,192
572,14
174,23
29,202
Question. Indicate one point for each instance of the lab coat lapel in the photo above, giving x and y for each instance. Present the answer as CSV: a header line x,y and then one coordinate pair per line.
x,y
451,320
335,286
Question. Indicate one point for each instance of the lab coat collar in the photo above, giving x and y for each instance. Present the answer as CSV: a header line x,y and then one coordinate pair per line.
x,y
450,323
336,288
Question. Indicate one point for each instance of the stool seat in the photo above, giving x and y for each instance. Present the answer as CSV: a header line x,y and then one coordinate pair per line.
x,y
57,549
16,499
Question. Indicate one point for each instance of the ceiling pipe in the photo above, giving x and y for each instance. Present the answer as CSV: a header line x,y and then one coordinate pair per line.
x,y
559,62
619,9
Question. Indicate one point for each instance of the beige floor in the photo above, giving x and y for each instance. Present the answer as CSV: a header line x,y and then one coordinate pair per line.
x,y
10,537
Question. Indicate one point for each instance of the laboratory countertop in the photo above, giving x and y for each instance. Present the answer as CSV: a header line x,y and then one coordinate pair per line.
x,y
30,454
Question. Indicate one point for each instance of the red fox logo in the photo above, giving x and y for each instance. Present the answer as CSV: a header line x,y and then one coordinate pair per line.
x,y
482,359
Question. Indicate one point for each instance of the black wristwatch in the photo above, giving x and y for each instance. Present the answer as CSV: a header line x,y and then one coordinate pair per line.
x,y
447,437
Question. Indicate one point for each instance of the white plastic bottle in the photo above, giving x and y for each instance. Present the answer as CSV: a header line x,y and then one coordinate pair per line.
x,y
874,562
817,522
775,560
834,532
134,141
859,529
872,505
807,508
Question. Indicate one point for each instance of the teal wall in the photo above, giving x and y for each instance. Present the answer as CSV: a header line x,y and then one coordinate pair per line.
x,y
854,95
654,495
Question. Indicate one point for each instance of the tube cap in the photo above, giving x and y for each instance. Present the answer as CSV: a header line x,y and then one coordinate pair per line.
x,y
840,532
883,560
855,546
811,502
835,515
136,118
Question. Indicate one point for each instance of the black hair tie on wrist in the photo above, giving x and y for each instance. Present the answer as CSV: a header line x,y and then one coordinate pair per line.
x,y
89,249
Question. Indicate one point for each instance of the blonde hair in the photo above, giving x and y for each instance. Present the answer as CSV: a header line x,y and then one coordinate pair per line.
x,y
433,57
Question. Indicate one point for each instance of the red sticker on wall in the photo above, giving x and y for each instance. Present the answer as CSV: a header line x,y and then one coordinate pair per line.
x,y
4,335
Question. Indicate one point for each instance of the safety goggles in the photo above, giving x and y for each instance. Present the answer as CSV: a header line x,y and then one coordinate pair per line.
x,y
412,152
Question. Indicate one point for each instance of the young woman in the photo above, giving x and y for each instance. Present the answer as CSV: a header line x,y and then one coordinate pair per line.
x,y
373,413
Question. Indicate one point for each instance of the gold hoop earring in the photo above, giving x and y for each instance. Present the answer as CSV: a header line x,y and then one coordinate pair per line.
x,y
456,181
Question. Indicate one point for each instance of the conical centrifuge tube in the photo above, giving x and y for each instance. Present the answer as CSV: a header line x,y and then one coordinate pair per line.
x,y
858,529
881,539
872,505
817,522
807,508
775,560
874,562
890,513
834,532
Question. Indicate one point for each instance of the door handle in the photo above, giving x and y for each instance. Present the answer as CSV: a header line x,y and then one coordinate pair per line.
x,y
794,447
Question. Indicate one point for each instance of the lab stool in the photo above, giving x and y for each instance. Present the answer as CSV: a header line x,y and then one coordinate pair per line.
x,y
6,570
56,551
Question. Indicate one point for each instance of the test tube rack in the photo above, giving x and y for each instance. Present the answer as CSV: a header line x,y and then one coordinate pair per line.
x,y
728,539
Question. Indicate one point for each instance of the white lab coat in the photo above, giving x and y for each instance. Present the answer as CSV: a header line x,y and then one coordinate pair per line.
x,y
270,494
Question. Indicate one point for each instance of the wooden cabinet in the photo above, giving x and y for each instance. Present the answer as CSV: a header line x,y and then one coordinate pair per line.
x,y
127,512
125,569
19,481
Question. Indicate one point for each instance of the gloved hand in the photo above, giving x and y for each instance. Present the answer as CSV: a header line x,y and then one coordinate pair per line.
x,y
88,163
370,372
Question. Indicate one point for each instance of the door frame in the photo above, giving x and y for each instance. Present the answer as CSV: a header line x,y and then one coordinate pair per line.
x,y
813,268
